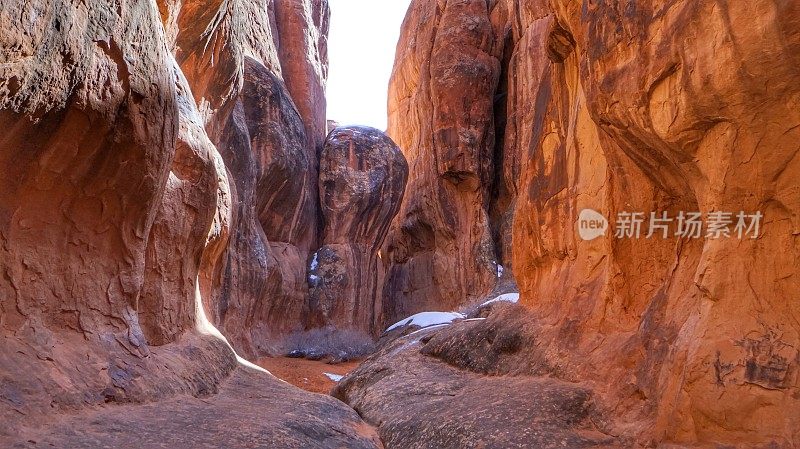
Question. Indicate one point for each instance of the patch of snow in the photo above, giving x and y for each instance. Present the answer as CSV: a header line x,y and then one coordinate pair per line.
x,y
334,377
313,278
430,327
314,262
508,297
500,270
426,319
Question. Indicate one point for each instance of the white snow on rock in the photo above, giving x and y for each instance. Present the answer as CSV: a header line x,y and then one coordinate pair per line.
x,y
430,327
436,319
426,319
313,278
334,377
508,297
499,270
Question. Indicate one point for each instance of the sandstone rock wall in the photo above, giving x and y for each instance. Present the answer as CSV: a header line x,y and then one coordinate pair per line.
x,y
106,175
232,57
708,325
633,106
362,180
303,50
441,114
157,175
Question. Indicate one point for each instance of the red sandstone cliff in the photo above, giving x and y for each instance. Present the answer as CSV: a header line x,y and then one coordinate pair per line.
x,y
517,115
690,106
362,179
160,171
158,174
440,248
258,284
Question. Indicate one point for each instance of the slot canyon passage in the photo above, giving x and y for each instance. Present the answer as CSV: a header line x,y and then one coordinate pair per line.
x,y
174,204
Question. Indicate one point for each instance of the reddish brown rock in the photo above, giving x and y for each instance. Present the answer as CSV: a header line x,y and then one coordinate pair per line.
x,y
302,27
262,287
213,40
90,148
362,180
702,331
225,419
638,107
116,216
474,384
258,282
441,115
179,234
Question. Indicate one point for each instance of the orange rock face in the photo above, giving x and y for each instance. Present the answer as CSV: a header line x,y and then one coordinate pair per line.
x,y
440,248
106,173
634,107
156,175
303,50
258,282
178,237
362,179
708,326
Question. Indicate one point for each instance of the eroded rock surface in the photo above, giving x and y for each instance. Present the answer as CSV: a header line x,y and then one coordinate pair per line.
x,y
135,207
287,418
90,142
257,283
441,115
303,51
362,180
638,107
262,288
690,326
444,388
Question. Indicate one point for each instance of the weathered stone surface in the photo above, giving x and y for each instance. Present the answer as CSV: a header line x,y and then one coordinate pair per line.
x,y
303,50
441,115
213,41
119,223
91,165
362,180
430,389
89,142
639,107
263,287
259,281
704,332
224,420
195,190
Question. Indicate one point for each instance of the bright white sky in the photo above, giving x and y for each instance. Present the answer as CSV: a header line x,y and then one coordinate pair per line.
x,y
361,47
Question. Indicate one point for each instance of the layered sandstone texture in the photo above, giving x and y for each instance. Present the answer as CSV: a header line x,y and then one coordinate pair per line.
x,y
157,177
520,114
231,54
441,246
303,51
479,383
363,177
